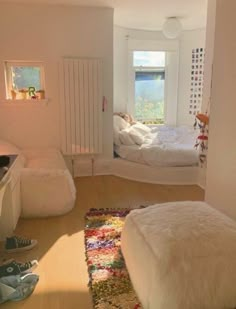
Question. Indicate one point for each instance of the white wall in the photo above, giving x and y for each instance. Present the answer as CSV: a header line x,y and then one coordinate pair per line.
x,y
120,69
121,61
187,41
221,169
210,37
210,40
47,33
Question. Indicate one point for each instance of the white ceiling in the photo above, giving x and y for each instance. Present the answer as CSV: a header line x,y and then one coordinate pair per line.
x,y
143,14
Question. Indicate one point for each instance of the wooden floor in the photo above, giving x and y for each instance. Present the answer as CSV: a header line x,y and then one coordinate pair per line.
x,y
62,268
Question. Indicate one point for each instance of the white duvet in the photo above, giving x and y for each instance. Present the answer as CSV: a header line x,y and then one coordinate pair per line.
x,y
164,146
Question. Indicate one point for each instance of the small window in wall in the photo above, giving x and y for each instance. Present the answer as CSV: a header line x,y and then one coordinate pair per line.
x,y
149,70
24,80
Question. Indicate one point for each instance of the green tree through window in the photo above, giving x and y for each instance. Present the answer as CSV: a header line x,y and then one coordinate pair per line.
x,y
25,77
149,96
149,67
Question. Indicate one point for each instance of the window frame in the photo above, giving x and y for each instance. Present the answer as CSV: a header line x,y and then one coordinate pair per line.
x,y
171,48
8,74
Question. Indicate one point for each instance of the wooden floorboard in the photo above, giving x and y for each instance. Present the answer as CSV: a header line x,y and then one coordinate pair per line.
x,y
62,267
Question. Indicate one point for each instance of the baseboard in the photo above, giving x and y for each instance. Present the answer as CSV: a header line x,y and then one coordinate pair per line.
x,y
103,167
92,167
202,177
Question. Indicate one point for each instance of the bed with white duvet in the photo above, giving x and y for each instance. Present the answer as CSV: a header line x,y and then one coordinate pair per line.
x,y
159,146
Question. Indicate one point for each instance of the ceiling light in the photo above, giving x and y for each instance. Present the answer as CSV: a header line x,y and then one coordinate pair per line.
x,y
172,28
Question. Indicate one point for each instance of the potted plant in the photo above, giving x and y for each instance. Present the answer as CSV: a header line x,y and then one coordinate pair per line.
x,y
22,94
40,94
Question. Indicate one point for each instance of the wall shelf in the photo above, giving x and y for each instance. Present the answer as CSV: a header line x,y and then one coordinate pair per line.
x,y
32,102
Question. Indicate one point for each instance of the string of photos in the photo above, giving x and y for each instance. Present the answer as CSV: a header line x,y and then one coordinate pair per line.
x,y
201,123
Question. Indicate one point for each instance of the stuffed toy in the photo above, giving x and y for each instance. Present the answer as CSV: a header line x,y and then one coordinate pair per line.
x,y
128,118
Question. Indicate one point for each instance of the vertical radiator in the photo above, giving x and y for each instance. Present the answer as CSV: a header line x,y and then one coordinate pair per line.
x,y
81,106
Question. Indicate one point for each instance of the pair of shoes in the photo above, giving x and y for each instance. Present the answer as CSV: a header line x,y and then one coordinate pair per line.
x,y
16,280
19,244
13,268
15,288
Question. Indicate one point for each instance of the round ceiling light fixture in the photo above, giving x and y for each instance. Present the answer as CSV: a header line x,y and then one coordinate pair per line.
x,y
172,28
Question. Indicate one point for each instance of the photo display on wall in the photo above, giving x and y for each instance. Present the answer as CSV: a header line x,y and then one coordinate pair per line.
x,y
197,74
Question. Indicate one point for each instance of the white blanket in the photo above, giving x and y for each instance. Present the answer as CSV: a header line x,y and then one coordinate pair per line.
x,y
164,146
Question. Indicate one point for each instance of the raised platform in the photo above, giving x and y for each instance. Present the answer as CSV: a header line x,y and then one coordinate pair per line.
x,y
157,175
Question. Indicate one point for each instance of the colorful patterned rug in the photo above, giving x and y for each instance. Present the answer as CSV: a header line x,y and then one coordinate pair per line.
x,y
109,280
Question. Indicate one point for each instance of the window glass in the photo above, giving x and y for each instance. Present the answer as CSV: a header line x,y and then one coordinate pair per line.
x,y
149,96
149,58
25,77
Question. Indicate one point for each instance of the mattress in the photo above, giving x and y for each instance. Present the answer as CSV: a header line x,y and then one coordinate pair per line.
x,y
131,153
163,146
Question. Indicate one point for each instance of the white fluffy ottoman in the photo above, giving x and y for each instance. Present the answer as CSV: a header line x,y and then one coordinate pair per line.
x,y
47,187
181,256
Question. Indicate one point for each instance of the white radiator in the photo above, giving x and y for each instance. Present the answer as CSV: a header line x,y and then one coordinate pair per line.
x,y
81,106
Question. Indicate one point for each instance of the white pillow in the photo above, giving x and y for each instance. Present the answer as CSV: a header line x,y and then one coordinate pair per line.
x,y
125,137
141,128
136,136
8,148
118,125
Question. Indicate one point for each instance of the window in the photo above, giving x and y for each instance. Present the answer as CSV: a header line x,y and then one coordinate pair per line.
x,y
24,80
149,73
159,63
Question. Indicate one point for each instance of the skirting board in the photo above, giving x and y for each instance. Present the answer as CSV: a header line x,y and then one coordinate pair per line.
x,y
202,177
137,172
88,167
156,175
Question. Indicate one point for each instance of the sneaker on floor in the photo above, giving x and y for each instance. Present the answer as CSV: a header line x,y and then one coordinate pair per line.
x,y
19,244
15,288
13,268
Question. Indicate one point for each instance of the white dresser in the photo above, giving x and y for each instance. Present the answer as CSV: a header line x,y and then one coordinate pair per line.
x,y
10,198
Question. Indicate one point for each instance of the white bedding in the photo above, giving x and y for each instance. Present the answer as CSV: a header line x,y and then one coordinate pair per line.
x,y
163,146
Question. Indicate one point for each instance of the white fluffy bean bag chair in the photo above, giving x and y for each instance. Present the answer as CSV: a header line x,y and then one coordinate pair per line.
x,y
47,187
181,256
